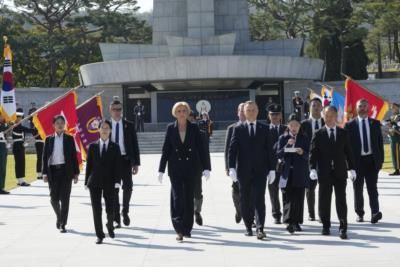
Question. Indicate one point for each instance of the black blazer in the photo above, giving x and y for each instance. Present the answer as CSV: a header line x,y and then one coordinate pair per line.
x,y
376,141
131,142
251,156
306,128
275,137
71,160
322,153
228,137
183,158
103,172
299,163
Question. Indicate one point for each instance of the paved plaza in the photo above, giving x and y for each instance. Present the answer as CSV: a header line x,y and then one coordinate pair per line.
x,y
28,236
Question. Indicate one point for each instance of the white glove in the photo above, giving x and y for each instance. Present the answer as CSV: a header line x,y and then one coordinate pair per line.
x,y
271,177
117,185
206,174
160,177
352,175
313,175
233,175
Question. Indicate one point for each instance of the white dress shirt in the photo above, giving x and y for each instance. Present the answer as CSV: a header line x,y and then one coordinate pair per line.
x,y
361,136
121,142
57,157
329,131
101,145
249,126
313,124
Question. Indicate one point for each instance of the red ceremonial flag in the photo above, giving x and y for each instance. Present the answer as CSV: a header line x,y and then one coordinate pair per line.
x,y
65,106
90,114
354,92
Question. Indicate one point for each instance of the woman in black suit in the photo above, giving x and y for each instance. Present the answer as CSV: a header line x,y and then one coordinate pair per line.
x,y
102,176
293,151
183,150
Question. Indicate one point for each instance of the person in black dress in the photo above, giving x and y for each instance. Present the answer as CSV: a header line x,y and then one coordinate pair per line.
x,y
183,149
102,176
292,152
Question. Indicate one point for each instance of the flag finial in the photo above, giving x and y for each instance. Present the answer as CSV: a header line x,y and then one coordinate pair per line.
x,y
5,38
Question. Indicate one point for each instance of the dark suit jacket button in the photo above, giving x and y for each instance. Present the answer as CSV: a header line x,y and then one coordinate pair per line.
x,y
187,158
190,149
179,159
176,150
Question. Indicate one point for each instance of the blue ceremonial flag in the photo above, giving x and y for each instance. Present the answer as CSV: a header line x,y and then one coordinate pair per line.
x,y
338,103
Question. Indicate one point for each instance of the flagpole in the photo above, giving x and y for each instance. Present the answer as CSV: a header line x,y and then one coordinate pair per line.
x,y
366,89
40,109
96,95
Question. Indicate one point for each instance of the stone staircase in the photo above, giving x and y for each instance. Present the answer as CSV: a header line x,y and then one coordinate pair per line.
x,y
151,142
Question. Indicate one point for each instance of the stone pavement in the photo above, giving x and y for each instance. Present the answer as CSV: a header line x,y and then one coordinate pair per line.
x,y
28,236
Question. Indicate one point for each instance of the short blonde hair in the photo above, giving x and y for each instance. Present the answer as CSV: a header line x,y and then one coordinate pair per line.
x,y
180,104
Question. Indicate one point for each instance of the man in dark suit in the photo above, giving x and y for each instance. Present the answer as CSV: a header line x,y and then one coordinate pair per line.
x,y
331,156
60,167
102,176
308,128
251,163
124,134
367,141
235,185
277,129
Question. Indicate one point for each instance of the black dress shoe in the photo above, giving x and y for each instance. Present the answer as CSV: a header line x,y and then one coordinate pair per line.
x,y
277,221
199,219
189,235
117,226
325,231
290,228
24,184
261,235
311,219
40,177
360,219
3,192
376,217
343,234
254,225
238,217
99,241
110,229
297,227
62,229
179,237
397,172
58,225
126,220
248,232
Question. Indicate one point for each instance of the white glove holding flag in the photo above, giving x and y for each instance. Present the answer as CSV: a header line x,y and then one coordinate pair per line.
x,y
352,175
233,175
313,175
117,185
271,177
206,174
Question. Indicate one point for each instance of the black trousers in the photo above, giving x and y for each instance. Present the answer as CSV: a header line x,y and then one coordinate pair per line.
x,y
39,153
198,193
252,200
139,124
326,186
127,185
182,210
274,197
95,198
19,158
367,172
293,199
60,191
236,197
310,196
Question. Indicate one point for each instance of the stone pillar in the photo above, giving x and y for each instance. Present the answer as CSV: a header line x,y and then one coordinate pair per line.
x,y
200,19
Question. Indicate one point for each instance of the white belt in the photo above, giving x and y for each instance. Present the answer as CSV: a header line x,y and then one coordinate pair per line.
x,y
18,140
39,141
17,134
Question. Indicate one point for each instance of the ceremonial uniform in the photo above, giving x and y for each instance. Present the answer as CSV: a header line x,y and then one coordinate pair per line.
x,y
18,149
39,144
395,141
138,112
3,157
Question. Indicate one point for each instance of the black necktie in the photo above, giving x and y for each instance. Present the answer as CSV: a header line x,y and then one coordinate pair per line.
x,y
365,137
252,130
332,136
117,133
316,125
103,151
